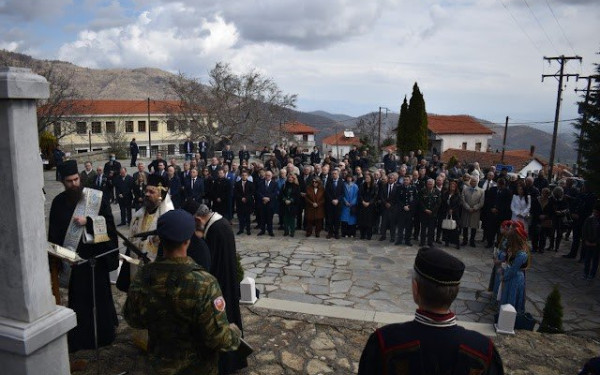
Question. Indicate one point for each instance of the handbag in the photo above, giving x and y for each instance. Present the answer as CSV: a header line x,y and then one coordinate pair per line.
x,y
449,224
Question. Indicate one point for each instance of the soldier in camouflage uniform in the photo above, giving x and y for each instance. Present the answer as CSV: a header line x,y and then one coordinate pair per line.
x,y
181,305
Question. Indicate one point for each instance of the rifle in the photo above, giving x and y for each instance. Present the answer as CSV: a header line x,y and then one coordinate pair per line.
x,y
143,256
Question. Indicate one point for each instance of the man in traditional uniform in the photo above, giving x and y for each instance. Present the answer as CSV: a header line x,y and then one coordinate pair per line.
x,y
407,205
432,343
72,211
221,242
181,305
429,204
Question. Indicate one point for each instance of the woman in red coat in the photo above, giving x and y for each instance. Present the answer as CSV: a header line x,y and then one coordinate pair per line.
x,y
315,207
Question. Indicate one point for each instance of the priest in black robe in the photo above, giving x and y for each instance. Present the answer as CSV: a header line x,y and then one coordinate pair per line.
x,y
221,243
80,282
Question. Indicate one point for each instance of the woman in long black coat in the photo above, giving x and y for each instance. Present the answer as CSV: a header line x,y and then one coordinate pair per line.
x,y
289,198
367,196
450,208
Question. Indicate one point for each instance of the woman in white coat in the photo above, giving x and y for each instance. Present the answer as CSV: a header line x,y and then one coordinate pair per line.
x,y
520,205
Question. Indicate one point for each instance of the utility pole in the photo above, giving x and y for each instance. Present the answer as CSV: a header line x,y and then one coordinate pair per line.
x,y
584,111
504,141
149,133
379,123
560,75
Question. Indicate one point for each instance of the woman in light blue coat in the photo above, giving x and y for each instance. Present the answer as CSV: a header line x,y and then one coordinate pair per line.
x,y
513,273
349,208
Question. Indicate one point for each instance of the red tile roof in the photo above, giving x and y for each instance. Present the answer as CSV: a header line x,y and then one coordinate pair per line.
x,y
341,140
296,127
119,107
457,124
516,158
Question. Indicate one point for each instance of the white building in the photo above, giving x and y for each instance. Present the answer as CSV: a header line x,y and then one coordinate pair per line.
x,y
301,134
340,144
457,132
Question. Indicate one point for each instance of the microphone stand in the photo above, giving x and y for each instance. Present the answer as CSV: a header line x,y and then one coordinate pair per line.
x,y
92,262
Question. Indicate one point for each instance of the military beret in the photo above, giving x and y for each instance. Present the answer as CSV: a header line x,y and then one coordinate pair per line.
x,y
176,226
68,168
438,266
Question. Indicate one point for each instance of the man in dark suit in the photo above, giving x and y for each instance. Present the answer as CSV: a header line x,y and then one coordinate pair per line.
x,y
188,148
227,155
267,196
161,169
140,169
111,169
193,187
124,190
243,193
244,154
203,149
221,195
87,176
487,217
388,201
334,194
304,181
214,168
134,150
100,184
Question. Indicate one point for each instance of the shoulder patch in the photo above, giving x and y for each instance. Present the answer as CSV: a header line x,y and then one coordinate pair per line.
x,y
219,303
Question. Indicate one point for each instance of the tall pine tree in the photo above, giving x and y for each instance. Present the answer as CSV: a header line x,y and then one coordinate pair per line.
x,y
588,144
402,134
417,126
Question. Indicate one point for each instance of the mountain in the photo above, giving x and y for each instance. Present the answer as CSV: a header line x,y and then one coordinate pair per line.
x,y
331,116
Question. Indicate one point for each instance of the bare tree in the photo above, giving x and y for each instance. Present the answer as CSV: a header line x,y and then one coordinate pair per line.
x,y
63,94
368,126
116,137
230,107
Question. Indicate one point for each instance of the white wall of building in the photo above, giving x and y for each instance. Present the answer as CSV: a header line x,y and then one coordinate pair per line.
x,y
534,167
457,140
338,151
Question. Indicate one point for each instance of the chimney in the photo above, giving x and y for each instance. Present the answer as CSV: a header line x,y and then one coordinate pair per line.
x,y
531,150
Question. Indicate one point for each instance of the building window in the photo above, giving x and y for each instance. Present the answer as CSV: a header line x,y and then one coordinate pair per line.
x,y
144,151
141,126
305,137
153,126
170,149
129,126
170,125
57,129
464,145
96,127
81,127
478,146
110,127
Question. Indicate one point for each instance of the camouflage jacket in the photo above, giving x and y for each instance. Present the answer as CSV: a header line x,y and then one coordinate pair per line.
x,y
182,307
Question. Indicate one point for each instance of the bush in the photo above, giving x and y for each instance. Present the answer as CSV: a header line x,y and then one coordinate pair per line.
x,y
553,313
240,269
452,162
48,143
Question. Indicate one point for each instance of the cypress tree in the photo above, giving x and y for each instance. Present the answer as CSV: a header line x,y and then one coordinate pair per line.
x,y
588,144
402,134
417,120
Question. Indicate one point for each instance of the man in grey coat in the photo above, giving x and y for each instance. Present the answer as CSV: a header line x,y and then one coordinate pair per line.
x,y
473,198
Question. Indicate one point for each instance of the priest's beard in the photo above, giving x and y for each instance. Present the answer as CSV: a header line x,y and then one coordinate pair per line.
x,y
74,195
151,206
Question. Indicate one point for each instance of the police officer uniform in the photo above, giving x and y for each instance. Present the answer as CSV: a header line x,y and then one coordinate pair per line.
x,y
431,343
407,196
430,200
182,307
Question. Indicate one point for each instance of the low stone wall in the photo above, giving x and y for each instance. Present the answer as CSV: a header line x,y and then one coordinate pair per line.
x,y
96,157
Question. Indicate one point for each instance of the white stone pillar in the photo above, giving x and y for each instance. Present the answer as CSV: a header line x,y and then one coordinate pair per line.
x,y
32,328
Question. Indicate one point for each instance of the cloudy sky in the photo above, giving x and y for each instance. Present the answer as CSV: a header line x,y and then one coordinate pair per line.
x,y
477,57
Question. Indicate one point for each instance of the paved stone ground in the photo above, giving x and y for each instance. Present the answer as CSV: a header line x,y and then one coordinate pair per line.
x,y
372,275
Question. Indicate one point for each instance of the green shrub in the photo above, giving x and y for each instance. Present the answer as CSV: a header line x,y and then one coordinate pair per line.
x,y
553,313
48,143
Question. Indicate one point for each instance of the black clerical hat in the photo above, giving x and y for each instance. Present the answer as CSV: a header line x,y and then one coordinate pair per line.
x,y
176,226
68,168
438,266
156,180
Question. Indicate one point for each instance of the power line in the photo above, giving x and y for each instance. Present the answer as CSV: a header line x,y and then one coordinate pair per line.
x,y
540,25
560,27
521,27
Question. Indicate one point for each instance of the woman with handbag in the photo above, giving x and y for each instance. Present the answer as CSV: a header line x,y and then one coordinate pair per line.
x,y
349,201
450,207
367,198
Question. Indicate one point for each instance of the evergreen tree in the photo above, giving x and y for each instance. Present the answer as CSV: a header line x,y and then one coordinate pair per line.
x,y
588,144
402,134
417,115
553,313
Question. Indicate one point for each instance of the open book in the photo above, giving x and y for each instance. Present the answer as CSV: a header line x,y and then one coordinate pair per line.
x,y
63,253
